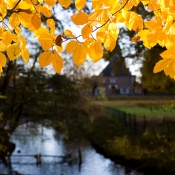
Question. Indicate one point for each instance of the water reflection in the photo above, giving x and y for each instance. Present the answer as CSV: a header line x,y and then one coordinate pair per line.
x,y
46,144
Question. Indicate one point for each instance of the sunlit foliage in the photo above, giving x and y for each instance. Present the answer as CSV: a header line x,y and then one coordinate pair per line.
x,y
99,30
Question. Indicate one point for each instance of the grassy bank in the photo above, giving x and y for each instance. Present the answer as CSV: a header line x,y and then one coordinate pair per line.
x,y
151,150
152,108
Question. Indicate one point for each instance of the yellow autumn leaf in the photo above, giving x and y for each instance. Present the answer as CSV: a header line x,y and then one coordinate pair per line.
x,y
14,21
23,5
129,4
80,18
25,55
11,3
36,21
161,65
96,4
168,24
101,33
69,33
86,31
57,62
2,60
50,2
3,46
1,70
79,55
65,3
135,22
88,41
145,2
46,42
95,51
99,16
45,58
79,4
46,39
71,46
25,19
7,37
51,24
154,5
109,42
22,41
46,10
13,51
114,6
113,30
59,49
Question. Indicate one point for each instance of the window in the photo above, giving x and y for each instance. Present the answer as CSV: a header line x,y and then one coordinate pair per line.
x,y
113,80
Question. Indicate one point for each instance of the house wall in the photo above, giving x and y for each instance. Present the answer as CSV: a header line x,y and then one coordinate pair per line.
x,y
118,85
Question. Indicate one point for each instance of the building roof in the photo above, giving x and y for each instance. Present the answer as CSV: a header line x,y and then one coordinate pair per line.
x,y
109,70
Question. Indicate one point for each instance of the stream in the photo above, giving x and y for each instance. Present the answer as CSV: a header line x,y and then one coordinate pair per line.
x,y
53,150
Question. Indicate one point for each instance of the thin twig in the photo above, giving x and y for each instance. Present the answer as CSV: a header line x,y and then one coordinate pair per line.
x,y
102,24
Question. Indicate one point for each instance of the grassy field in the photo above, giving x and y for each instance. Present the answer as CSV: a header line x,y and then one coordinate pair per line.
x,y
157,108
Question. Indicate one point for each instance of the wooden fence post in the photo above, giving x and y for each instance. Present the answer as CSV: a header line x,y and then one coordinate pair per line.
x,y
129,120
144,123
135,124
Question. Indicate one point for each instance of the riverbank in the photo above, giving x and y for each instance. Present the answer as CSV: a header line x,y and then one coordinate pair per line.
x,y
150,152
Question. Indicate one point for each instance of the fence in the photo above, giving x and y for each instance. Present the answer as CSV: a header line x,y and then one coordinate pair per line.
x,y
164,126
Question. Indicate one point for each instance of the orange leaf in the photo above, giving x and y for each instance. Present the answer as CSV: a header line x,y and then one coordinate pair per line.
x,y
36,21
69,33
57,62
135,38
86,30
2,60
25,55
95,51
71,46
79,55
13,51
79,4
45,58
80,18
65,3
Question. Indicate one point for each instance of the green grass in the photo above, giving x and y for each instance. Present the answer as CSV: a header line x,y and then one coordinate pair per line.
x,y
150,109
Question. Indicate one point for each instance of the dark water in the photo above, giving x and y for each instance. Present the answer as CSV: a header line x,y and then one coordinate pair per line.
x,y
43,141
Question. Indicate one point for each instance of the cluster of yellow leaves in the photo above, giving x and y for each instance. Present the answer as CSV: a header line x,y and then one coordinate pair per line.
x,y
98,30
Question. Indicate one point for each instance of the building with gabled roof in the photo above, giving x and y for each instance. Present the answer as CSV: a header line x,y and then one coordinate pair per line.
x,y
117,82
